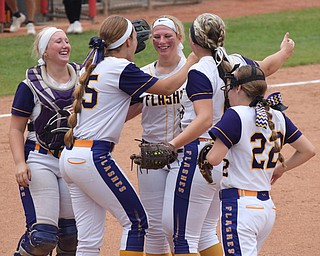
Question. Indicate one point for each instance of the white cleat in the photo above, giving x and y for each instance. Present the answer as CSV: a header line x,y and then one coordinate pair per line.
x,y
16,22
70,28
77,28
30,29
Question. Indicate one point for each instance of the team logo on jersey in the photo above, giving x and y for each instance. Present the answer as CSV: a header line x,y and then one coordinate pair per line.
x,y
162,100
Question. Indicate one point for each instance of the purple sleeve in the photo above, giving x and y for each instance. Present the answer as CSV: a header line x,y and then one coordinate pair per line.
x,y
198,86
228,129
23,102
134,81
250,62
292,132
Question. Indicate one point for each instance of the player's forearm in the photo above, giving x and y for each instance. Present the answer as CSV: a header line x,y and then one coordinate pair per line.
x,y
193,131
298,159
273,62
16,140
169,85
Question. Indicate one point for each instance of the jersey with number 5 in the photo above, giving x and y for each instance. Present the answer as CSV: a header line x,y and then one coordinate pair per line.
x,y
107,98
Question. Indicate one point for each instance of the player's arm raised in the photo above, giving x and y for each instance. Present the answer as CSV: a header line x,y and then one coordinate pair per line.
x,y
171,84
273,62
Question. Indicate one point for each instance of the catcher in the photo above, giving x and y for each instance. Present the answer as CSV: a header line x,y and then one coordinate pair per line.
x,y
155,155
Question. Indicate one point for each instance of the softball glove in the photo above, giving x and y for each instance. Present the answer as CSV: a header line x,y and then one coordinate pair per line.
x,y
155,155
204,166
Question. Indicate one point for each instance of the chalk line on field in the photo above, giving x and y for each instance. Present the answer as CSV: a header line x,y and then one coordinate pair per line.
x,y
5,115
311,82
295,83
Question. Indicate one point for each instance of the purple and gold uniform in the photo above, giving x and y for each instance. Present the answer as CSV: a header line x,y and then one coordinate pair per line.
x,y
193,204
95,180
248,212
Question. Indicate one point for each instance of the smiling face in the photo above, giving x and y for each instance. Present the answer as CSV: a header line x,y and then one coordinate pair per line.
x,y
165,41
58,49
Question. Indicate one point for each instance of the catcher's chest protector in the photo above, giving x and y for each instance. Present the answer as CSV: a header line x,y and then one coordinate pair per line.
x,y
51,124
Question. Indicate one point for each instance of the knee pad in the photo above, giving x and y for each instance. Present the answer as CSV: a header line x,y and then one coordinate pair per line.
x,y
39,241
67,244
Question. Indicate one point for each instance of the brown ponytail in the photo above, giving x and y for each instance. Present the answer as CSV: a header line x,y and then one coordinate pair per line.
x,y
77,104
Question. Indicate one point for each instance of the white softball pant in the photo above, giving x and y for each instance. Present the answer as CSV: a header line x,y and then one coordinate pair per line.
x,y
191,205
247,218
97,184
152,187
47,198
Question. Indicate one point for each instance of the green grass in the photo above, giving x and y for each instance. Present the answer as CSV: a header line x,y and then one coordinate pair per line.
x,y
252,36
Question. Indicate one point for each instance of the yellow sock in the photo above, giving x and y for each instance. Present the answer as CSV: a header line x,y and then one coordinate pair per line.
x,y
131,253
166,254
187,254
215,250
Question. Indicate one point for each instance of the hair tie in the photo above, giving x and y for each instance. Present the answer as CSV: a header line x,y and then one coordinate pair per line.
x,y
261,114
97,44
275,101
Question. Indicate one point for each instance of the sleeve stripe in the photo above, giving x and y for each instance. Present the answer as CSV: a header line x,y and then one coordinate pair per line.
x,y
217,128
19,110
141,86
292,135
202,93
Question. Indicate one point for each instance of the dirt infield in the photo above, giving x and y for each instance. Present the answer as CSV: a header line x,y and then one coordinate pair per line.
x,y
296,195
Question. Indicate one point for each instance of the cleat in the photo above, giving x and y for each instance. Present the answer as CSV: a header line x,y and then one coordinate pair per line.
x,y
16,22
77,28
30,29
70,28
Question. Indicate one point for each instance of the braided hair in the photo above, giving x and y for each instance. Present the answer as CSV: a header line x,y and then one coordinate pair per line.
x,y
112,28
208,31
254,86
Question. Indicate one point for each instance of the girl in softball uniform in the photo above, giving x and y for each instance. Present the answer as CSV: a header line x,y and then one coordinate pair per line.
x,y
41,104
161,123
249,138
96,182
193,202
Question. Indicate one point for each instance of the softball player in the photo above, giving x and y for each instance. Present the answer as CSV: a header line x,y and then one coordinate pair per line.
x,y
251,150
48,87
95,180
193,202
161,123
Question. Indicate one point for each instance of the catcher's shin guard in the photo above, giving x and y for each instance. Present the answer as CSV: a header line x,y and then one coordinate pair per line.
x,y
40,240
67,245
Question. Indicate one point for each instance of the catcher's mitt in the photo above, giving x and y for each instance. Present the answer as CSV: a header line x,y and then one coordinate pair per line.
x,y
155,155
143,32
204,166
